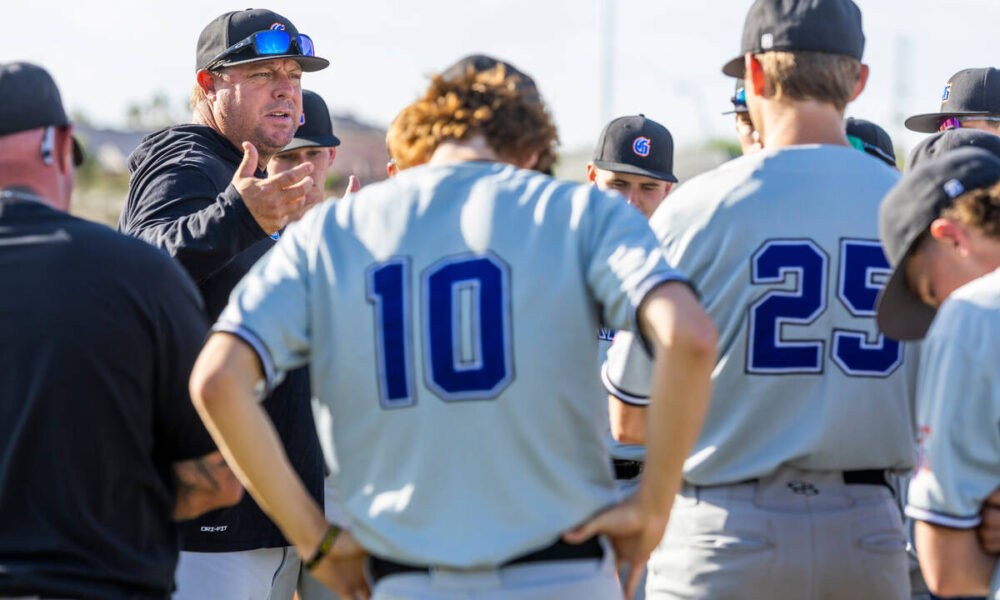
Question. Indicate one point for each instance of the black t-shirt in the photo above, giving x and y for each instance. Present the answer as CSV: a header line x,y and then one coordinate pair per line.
x,y
180,199
98,334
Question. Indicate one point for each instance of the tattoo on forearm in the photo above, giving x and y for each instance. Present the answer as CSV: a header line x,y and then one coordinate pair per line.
x,y
197,474
203,469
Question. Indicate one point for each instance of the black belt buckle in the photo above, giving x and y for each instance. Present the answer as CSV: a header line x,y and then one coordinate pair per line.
x,y
627,469
561,550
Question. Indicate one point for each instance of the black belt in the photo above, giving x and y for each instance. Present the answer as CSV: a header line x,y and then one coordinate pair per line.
x,y
866,477
591,549
627,469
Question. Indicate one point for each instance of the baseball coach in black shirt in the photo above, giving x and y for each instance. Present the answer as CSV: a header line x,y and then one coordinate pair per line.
x,y
200,191
100,446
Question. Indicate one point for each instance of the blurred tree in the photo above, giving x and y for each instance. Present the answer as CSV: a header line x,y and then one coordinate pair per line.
x,y
156,112
80,117
729,146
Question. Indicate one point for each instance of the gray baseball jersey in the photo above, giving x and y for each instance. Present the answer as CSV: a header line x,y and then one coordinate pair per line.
x,y
619,450
783,247
449,315
958,408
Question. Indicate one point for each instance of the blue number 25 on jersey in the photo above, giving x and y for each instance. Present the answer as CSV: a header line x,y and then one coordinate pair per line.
x,y
464,328
860,262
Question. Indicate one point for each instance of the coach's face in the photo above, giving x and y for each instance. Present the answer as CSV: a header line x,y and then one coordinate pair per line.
x,y
259,102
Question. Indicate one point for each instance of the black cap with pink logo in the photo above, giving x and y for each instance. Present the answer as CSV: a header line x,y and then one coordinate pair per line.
x,y
637,146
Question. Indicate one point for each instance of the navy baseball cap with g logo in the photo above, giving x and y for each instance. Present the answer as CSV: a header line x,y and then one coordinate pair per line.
x,y
906,212
253,35
637,146
831,26
969,93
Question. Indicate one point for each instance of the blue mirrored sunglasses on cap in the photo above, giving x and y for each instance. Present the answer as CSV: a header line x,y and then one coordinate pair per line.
x,y
267,43
739,99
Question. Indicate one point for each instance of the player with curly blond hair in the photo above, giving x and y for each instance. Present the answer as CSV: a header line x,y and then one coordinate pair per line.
x,y
477,96
448,314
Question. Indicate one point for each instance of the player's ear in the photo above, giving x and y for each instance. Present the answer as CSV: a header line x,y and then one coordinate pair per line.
x,y
591,172
529,161
670,185
862,81
63,150
951,235
390,168
753,74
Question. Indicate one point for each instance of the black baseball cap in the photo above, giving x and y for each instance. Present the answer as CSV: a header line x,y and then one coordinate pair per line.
x,y
874,140
831,26
482,62
233,27
906,212
739,99
969,92
934,146
638,146
29,99
317,128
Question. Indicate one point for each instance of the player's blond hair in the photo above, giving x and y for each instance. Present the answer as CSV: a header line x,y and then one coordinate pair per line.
x,y
821,76
485,103
979,209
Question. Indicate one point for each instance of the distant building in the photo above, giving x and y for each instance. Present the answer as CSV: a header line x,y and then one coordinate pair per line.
x,y
109,147
361,152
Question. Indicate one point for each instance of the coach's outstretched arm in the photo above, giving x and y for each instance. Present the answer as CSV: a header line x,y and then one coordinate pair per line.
x,y
684,342
223,385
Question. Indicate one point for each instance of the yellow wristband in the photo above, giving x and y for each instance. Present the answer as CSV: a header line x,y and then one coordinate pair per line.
x,y
324,546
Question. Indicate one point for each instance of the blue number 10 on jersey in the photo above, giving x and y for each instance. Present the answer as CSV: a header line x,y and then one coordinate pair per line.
x,y
860,262
464,328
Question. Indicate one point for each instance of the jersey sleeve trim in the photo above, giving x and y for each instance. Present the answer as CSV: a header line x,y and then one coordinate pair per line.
x,y
647,285
644,288
254,341
921,514
617,392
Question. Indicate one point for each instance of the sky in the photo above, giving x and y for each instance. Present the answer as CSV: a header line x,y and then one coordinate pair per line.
x,y
665,62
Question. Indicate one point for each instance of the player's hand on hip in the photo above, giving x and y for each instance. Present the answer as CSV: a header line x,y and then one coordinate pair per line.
x,y
343,568
989,529
633,532
275,200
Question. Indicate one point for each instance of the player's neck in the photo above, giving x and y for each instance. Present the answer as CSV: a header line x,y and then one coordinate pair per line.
x,y
797,123
20,175
474,148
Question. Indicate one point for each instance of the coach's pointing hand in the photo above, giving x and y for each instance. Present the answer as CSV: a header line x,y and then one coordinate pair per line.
x,y
272,201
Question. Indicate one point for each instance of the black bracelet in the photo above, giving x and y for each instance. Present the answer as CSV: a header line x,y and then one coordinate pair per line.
x,y
324,546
